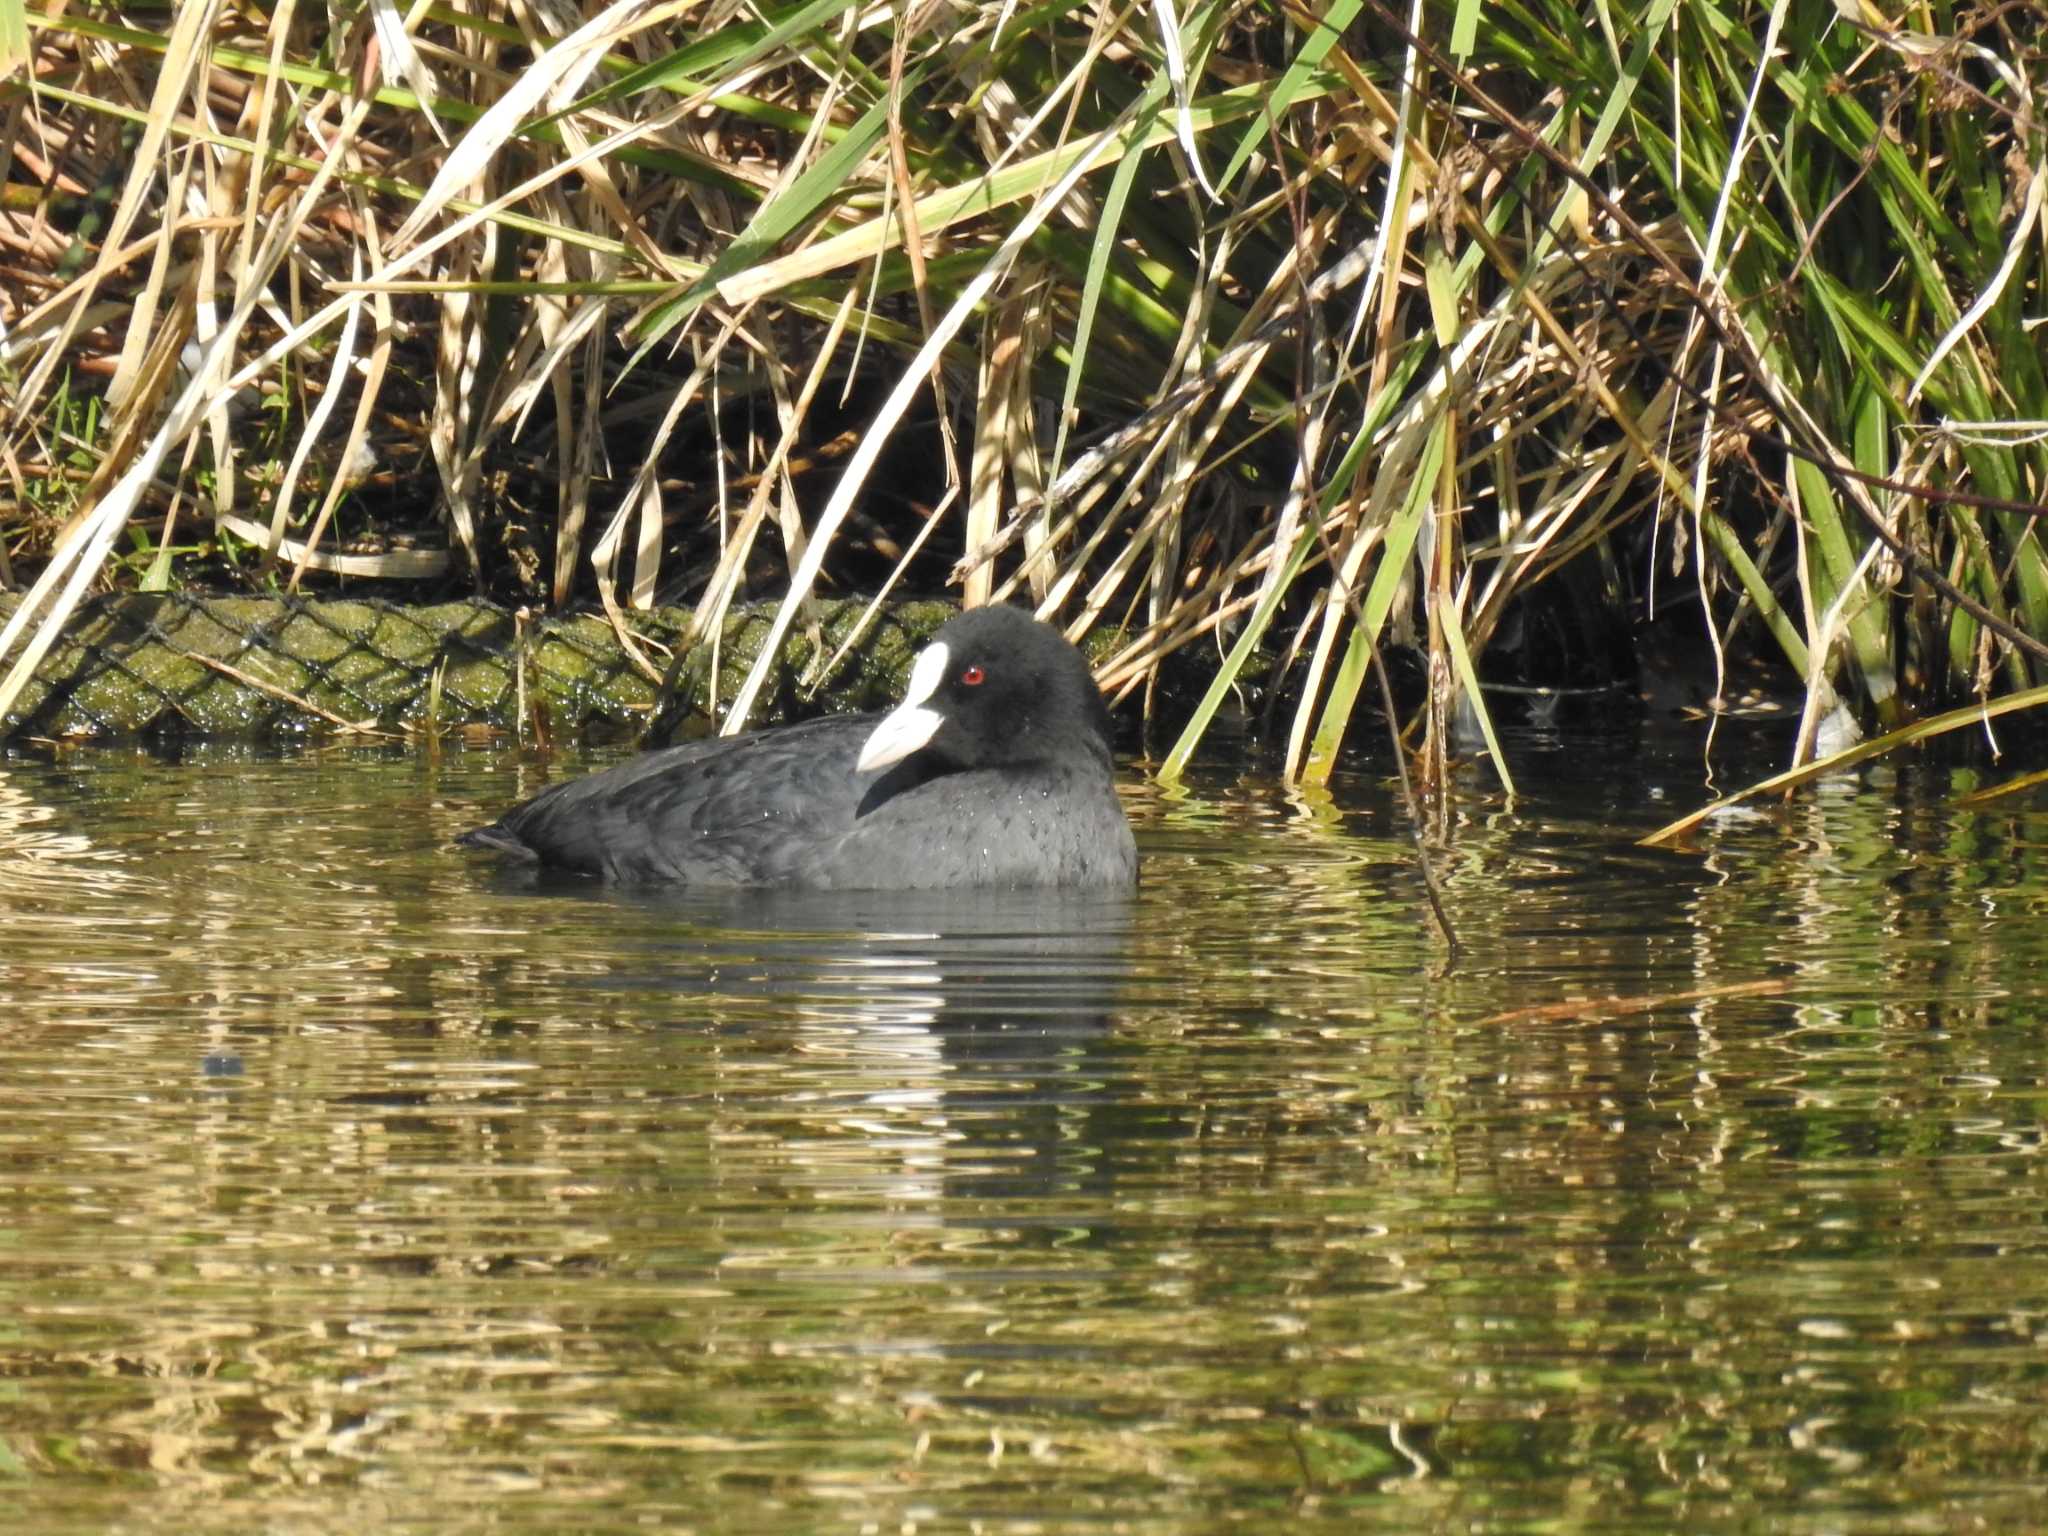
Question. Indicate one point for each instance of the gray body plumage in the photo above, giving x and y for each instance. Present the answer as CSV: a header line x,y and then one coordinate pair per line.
x,y
1015,788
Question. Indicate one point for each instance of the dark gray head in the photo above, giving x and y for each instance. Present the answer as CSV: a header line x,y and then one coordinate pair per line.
x,y
993,688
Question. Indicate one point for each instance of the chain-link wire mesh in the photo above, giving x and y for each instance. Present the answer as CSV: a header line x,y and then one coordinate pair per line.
x,y
142,663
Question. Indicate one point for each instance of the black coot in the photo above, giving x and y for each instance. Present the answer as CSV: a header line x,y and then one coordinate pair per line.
x,y
993,771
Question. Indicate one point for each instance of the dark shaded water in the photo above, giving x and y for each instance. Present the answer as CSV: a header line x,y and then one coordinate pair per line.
x,y
344,1185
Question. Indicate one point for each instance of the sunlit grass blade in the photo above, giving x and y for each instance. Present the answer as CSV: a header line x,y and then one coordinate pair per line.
x,y
1388,572
1969,717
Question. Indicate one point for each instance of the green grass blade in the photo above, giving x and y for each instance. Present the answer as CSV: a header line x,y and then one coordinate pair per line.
x,y
1468,679
774,221
1379,600
1247,641
1288,88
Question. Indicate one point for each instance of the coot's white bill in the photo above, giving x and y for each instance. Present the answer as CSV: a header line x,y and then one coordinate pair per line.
x,y
911,724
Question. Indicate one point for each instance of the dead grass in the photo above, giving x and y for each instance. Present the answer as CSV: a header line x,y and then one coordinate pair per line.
x,y
1233,327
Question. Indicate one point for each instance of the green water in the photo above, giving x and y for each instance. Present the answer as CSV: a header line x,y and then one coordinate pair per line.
x,y
347,1186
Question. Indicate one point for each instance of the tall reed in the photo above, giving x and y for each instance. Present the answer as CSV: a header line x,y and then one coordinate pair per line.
x,y
1285,333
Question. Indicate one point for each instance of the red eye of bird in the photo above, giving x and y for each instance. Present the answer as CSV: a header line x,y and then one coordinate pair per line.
x,y
972,676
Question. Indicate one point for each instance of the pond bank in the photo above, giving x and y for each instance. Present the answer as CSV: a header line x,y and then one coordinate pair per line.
x,y
132,664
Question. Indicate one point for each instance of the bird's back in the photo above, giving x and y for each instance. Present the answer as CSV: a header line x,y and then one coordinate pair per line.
x,y
742,810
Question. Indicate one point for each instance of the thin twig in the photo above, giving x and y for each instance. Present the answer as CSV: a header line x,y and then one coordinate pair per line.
x,y
1429,885
249,680
1602,1008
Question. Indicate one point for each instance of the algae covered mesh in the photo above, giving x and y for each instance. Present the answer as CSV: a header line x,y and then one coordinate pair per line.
x,y
139,663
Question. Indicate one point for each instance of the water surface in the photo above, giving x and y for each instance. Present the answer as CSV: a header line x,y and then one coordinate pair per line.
x,y
347,1184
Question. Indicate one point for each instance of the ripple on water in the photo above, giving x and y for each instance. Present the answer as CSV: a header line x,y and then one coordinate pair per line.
x,y
347,1185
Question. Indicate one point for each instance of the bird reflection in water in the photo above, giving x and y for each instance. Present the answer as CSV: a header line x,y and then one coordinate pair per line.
x,y
960,1041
